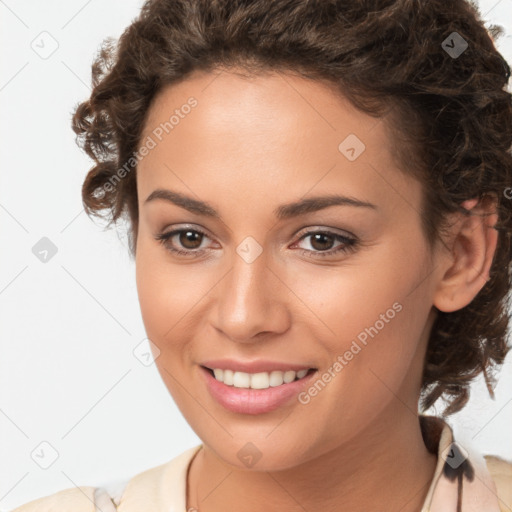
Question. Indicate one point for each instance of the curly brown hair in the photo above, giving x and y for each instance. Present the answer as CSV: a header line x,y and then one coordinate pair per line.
x,y
450,115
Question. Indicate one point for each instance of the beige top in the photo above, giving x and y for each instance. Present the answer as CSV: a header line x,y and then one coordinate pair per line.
x,y
486,482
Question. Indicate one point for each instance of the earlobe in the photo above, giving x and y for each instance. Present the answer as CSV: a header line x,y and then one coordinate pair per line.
x,y
467,267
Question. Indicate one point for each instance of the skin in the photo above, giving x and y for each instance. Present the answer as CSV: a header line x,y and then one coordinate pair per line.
x,y
249,146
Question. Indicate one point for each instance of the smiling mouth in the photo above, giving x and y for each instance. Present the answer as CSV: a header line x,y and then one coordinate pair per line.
x,y
260,380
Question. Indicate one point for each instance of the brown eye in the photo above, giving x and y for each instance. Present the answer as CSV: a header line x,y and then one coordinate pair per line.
x,y
322,241
190,239
183,242
322,244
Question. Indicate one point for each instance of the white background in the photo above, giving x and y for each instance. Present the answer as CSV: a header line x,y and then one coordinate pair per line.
x,y
68,375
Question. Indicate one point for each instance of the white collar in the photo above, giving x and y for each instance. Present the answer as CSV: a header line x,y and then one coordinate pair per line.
x,y
456,461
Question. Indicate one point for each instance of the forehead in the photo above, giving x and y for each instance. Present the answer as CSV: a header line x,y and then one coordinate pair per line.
x,y
264,133
273,103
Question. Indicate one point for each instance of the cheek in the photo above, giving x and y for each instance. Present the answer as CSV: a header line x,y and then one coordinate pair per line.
x,y
157,291
152,299
345,302
373,316
170,295
164,306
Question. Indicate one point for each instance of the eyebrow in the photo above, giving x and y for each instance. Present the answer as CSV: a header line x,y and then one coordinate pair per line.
x,y
282,212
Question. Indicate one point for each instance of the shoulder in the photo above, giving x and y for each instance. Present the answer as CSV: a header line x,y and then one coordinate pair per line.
x,y
77,499
151,489
501,472
162,487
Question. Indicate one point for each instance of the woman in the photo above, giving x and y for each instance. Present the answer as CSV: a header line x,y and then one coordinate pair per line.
x,y
319,211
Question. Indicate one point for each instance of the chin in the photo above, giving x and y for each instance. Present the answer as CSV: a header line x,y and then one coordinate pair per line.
x,y
258,455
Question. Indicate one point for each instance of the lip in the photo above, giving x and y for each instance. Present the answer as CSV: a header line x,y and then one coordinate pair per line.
x,y
254,366
254,401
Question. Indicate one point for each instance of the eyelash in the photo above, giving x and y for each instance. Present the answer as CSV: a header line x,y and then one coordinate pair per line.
x,y
349,244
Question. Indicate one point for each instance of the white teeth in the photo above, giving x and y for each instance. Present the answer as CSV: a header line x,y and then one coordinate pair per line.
x,y
262,380
289,376
301,373
228,377
276,378
241,380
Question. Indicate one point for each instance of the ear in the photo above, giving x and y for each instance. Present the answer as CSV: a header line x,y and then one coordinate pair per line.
x,y
468,259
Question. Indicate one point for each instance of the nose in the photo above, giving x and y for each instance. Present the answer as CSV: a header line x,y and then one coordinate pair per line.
x,y
251,301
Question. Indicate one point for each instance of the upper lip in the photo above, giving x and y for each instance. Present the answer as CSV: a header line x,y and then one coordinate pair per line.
x,y
257,366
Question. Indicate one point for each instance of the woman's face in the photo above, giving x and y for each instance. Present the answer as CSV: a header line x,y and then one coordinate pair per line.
x,y
346,289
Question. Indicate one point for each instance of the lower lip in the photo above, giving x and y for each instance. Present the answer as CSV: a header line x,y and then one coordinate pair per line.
x,y
254,401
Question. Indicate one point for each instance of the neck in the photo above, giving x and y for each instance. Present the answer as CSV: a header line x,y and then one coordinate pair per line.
x,y
385,465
